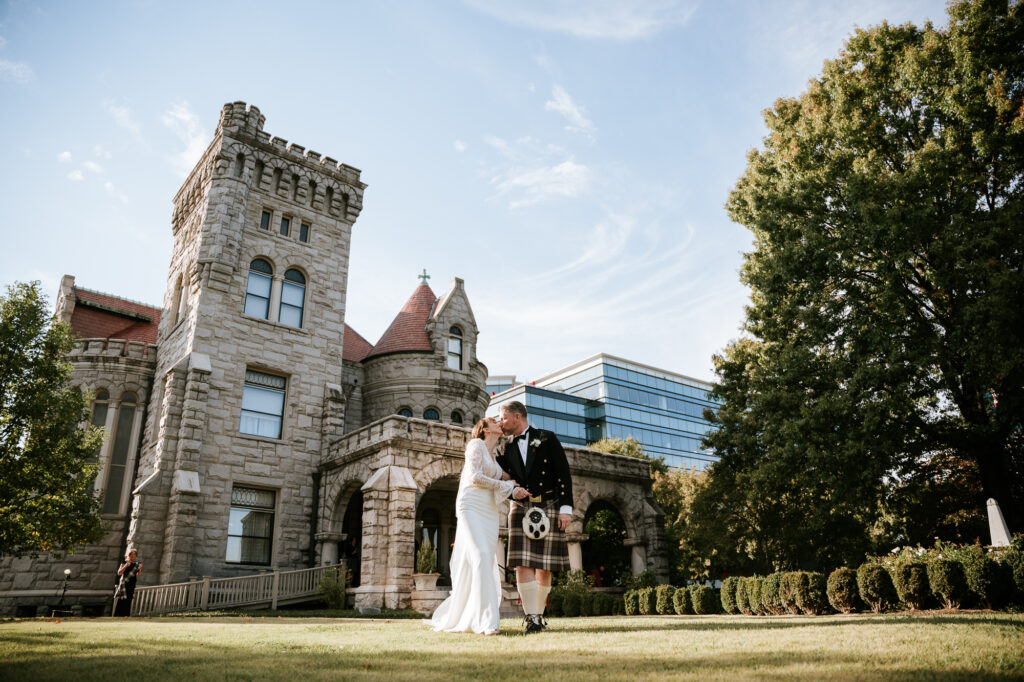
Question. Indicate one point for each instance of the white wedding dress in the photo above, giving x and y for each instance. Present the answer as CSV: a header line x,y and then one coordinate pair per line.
x,y
475,602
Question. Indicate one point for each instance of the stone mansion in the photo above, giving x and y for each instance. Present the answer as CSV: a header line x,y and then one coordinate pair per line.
x,y
250,428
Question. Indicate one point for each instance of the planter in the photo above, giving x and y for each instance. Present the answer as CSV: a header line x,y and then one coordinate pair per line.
x,y
426,582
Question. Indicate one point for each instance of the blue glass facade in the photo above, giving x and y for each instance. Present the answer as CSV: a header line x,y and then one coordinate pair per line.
x,y
608,397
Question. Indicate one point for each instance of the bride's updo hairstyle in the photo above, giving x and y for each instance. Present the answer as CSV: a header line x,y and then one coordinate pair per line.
x,y
479,428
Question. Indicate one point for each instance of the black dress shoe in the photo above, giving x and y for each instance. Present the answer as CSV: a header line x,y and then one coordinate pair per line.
x,y
542,622
531,624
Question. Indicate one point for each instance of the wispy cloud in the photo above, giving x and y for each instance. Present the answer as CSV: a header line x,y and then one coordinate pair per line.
x,y
532,172
76,176
64,157
112,191
459,146
124,118
574,113
184,123
100,152
92,167
16,72
592,19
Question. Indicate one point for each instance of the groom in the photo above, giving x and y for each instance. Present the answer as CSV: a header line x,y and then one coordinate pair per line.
x,y
535,459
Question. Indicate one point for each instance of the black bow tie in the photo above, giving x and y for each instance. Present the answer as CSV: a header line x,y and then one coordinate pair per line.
x,y
516,439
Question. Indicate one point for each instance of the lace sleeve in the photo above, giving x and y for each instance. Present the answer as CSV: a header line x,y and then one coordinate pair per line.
x,y
477,460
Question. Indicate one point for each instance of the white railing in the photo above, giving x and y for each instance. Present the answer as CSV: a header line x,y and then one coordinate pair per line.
x,y
221,593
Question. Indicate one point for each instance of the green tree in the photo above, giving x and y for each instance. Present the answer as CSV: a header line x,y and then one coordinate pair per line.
x,y
887,311
46,480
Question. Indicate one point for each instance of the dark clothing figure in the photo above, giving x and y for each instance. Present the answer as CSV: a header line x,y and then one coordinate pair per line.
x,y
125,591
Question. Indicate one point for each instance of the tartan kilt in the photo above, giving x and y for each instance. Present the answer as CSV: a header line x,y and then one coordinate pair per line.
x,y
549,554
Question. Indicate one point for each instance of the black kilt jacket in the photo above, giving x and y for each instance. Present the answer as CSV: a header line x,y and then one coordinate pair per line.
x,y
546,471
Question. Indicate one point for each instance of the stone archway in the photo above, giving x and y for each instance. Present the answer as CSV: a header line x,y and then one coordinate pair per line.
x,y
604,552
435,521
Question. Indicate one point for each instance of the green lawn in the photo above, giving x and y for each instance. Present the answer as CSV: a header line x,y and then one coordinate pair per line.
x,y
939,646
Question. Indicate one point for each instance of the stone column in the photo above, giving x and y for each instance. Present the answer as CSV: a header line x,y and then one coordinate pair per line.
x,y
389,518
327,547
576,541
638,555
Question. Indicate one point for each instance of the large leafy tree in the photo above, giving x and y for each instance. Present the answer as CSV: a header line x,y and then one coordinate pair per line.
x,y
886,324
46,480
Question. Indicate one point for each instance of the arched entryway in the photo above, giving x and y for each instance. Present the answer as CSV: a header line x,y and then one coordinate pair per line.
x,y
605,554
435,521
350,548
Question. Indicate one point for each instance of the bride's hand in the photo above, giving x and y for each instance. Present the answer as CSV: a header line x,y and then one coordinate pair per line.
x,y
505,476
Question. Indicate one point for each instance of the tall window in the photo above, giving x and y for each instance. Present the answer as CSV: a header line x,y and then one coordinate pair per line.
x,y
250,526
455,348
99,417
262,404
119,454
265,220
304,232
286,225
293,295
432,414
257,291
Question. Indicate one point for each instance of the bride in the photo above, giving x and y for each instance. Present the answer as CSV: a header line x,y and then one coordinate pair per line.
x,y
475,601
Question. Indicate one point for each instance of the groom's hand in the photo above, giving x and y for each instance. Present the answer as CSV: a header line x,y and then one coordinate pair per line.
x,y
563,521
520,493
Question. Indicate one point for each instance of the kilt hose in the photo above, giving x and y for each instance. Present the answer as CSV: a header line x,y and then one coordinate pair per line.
x,y
550,554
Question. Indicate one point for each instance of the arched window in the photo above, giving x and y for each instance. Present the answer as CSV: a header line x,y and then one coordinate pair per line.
x,y
455,348
456,417
118,465
431,414
405,412
257,291
99,416
293,296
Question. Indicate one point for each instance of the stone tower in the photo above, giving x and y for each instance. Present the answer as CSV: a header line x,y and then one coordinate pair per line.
x,y
247,384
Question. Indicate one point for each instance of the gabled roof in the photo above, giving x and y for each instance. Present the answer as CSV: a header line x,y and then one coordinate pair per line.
x,y
408,330
102,316
354,347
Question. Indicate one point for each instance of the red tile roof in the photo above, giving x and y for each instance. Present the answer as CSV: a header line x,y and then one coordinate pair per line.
x,y
102,316
408,330
354,347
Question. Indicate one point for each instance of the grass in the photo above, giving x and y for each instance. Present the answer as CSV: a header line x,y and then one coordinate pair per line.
x,y
933,647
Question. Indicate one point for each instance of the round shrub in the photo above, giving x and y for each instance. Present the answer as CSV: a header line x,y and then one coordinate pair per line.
x,y
770,594
843,593
947,581
787,593
989,580
911,582
607,602
754,595
875,586
618,605
630,603
663,599
647,601
729,595
811,593
586,603
1014,559
571,605
742,598
681,602
705,601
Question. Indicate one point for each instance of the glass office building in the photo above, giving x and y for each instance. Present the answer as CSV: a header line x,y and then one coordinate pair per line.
x,y
609,397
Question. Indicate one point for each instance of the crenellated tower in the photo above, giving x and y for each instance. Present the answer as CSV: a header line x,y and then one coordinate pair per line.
x,y
247,385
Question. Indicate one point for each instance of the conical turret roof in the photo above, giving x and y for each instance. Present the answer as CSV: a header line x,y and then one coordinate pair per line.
x,y
408,330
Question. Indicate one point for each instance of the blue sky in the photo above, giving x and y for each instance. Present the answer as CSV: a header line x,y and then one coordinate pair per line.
x,y
569,159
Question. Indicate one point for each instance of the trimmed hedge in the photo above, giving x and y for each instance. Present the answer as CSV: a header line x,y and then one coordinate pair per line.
x,y
875,586
947,581
681,603
911,583
843,593
770,594
787,593
990,581
743,597
646,600
631,603
571,604
811,593
729,595
663,599
705,600
587,604
554,607
754,595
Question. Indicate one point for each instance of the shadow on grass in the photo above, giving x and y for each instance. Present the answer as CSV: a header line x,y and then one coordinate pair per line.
x,y
189,658
730,623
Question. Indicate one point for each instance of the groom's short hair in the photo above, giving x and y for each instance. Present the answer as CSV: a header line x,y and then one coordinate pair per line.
x,y
515,407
